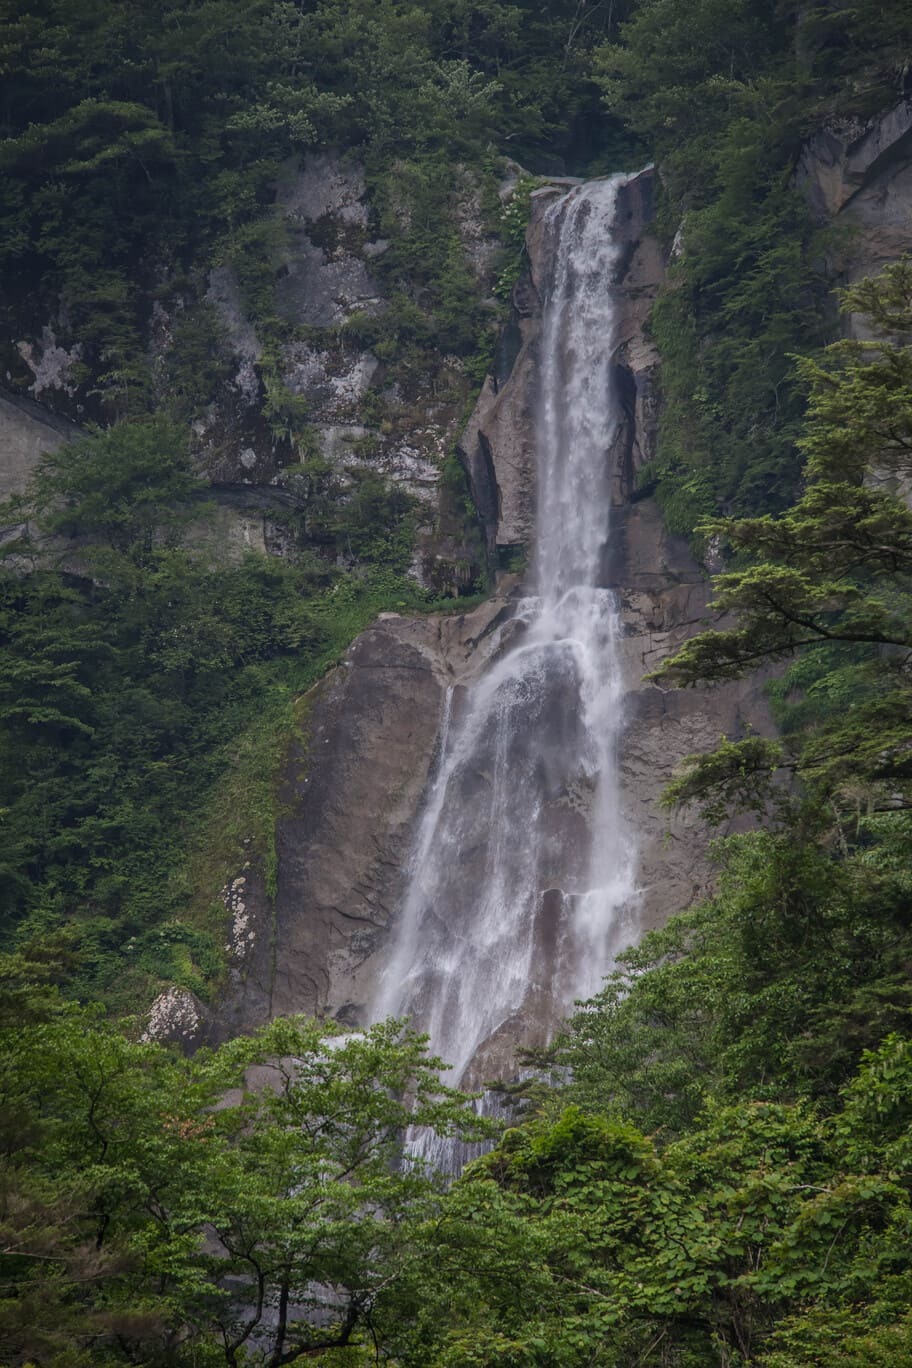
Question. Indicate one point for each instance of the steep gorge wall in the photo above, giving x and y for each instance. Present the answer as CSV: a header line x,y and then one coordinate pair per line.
x,y
318,395
354,786
858,175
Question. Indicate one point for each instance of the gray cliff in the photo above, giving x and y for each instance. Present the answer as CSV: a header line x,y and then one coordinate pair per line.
x,y
353,412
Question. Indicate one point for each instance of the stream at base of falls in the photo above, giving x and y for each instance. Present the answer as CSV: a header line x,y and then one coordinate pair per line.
x,y
521,871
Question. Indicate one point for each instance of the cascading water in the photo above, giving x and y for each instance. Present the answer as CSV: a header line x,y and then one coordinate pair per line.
x,y
521,868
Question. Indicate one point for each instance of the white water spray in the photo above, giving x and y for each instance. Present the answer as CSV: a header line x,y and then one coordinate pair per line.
x,y
521,868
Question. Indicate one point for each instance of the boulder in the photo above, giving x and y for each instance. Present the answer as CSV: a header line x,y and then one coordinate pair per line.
x,y
176,1017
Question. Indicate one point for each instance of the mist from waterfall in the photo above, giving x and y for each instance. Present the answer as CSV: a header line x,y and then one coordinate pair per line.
x,y
521,868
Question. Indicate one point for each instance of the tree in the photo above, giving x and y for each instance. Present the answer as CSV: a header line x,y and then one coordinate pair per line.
x,y
148,1213
832,577
131,489
313,1209
765,1233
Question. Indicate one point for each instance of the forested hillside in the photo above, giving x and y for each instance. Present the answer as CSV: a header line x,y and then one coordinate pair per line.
x,y
141,143
713,1161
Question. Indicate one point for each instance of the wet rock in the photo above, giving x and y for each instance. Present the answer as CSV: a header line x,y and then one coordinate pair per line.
x,y
351,789
352,792
498,445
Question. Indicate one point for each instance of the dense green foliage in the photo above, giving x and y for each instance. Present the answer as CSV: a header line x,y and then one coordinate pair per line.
x,y
580,1241
138,672
831,574
140,143
148,1214
726,92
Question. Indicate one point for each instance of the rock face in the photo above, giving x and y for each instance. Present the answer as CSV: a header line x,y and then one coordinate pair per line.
x,y
359,417
663,592
327,282
351,792
319,393
354,789
27,432
239,520
176,1017
498,446
859,175
664,596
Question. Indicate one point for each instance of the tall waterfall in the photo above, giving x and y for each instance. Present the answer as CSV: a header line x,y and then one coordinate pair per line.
x,y
521,868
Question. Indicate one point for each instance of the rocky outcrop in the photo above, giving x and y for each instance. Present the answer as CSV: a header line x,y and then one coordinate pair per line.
x,y
664,598
358,415
312,390
641,272
27,432
498,446
663,592
176,1017
858,175
351,790
237,521
326,274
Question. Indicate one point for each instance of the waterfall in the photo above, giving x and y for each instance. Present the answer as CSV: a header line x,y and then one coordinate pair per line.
x,y
521,868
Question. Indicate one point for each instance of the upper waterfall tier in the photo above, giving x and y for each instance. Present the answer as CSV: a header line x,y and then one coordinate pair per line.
x,y
521,868
578,412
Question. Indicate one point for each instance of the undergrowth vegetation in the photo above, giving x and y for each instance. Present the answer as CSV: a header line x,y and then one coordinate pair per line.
x,y
149,690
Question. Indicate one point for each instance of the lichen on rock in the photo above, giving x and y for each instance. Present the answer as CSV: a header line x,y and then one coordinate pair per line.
x,y
176,1017
241,931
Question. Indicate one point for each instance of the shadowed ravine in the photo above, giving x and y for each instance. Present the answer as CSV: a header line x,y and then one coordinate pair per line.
x,y
521,869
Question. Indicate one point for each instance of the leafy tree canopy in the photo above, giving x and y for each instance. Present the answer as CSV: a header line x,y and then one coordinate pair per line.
x,y
155,1209
832,572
